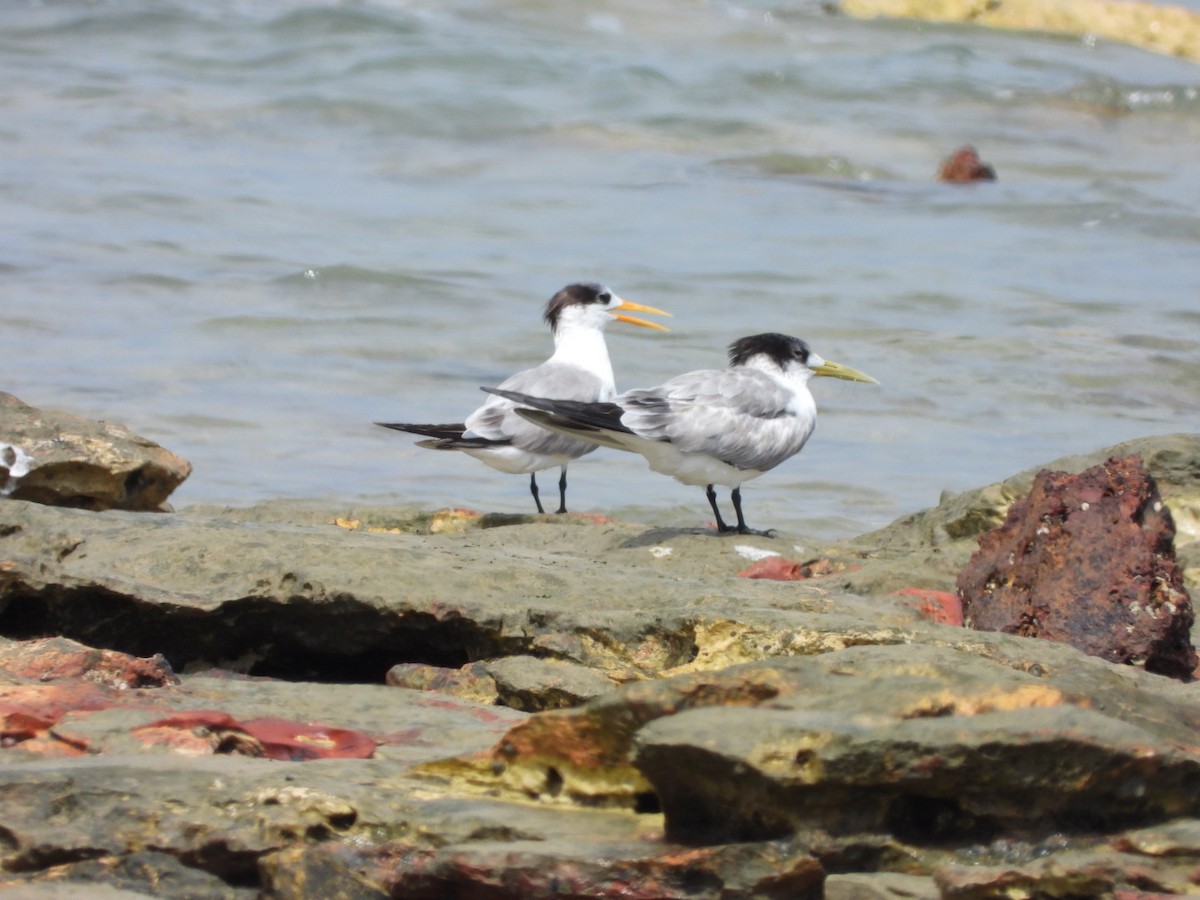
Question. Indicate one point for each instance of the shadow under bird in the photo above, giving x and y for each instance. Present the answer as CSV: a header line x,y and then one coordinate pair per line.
x,y
579,370
708,427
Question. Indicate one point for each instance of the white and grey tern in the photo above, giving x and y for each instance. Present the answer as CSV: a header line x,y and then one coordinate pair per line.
x,y
579,371
707,427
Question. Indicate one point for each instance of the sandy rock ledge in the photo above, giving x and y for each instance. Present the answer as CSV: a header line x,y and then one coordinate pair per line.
x,y
214,710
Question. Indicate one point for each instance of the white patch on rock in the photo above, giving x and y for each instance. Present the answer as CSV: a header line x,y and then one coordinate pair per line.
x,y
17,462
660,552
753,553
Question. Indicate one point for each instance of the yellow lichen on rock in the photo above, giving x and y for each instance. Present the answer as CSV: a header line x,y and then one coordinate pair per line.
x,y
1163,29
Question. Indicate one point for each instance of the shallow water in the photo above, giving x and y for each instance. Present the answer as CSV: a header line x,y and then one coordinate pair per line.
x,y
250,230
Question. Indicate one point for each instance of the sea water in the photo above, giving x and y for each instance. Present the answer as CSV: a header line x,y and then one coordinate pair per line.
x,y
249,230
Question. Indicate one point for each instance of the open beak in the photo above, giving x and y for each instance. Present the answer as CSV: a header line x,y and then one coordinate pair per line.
x,y
634,320
837,370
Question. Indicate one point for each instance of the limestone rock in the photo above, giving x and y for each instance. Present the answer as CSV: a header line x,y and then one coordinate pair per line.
x,y
470,682
63,460
313,601
531,684
762,735
887,886
1088,560
939,748
518,682
1160,27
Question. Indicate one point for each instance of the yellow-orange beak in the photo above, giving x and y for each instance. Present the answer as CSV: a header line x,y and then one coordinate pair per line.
x,y
634,320
837,370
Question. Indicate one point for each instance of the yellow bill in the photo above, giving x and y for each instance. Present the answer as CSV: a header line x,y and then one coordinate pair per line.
x,y
634,320
837,370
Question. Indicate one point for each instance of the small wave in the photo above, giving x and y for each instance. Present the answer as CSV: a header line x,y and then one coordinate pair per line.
x,y
343,274
1112,98
325,21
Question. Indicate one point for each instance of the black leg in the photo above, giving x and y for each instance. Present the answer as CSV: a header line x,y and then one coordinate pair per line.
x,y
533,490
562,491
722,528
741,525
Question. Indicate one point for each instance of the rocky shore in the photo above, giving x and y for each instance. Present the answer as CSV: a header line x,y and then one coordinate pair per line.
x,y
301,701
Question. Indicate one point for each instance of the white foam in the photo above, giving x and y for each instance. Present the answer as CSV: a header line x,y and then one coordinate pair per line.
x,y
753,553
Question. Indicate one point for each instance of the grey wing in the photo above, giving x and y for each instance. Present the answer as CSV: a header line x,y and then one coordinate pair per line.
x,y
739,416
497,417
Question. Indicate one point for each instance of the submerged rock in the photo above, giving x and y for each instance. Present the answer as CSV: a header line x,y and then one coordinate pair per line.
x,y
64,460
964,166
1088,560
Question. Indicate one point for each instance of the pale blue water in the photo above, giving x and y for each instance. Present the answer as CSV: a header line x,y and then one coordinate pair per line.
x,y
248,230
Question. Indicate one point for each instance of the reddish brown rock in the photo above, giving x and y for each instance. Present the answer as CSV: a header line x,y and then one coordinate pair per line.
x,y
199,732
1087,560
777,568
964,166
50,659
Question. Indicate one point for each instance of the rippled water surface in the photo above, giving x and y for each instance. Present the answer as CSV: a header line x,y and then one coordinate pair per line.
x,y
248,230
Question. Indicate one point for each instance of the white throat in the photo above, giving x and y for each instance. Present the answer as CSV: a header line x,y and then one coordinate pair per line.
x,y
582,345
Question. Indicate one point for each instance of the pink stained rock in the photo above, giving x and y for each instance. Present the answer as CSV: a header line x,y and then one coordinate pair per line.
x,y
56,658
942,607
1088,560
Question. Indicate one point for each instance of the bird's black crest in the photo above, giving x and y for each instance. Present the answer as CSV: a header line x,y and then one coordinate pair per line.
x,y
780,347
574,295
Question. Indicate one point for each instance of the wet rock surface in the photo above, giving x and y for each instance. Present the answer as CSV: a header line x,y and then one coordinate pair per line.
x,y
1087,559
296,701
64,460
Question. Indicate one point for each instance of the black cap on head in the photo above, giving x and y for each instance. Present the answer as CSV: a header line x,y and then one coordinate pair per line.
x,y
574,295
780,347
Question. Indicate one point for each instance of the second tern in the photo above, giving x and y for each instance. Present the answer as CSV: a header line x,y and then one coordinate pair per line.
x,y
707,427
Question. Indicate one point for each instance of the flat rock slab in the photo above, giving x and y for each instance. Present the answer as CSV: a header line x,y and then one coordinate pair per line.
x,y
65,460
310,600
925,744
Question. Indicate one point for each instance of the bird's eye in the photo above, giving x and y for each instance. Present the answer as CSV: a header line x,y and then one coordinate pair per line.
x,y
604,296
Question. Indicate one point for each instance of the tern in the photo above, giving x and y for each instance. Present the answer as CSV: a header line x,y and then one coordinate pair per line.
x,y
579,370
708,427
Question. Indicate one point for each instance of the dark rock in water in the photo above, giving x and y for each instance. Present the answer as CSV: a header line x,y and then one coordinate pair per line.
x,y
63,460
964,166
1088,560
